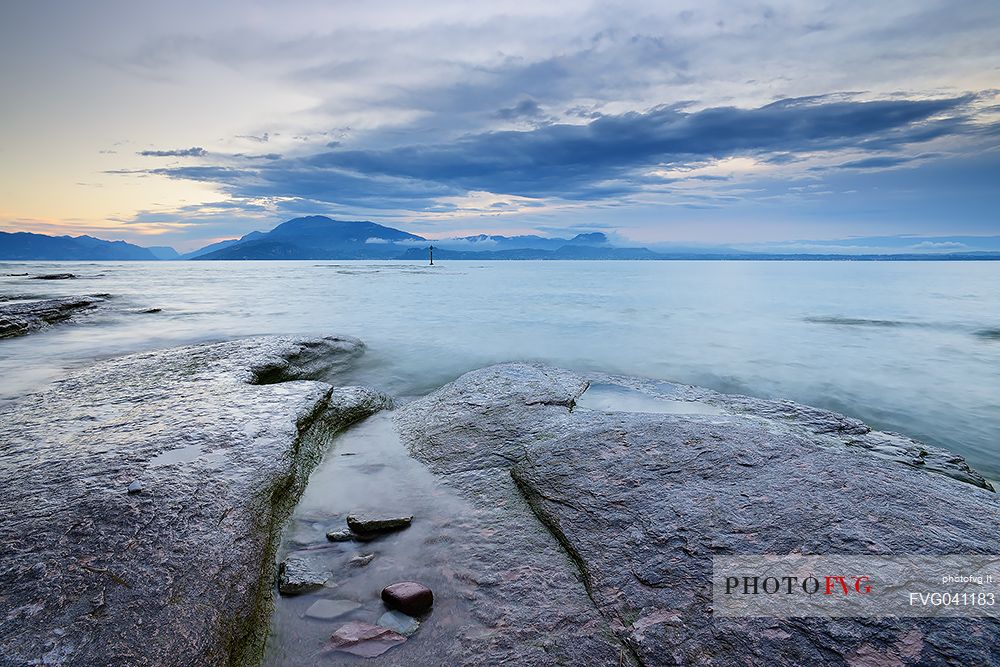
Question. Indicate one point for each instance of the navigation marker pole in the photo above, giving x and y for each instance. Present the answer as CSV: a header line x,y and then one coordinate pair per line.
x,y
431,251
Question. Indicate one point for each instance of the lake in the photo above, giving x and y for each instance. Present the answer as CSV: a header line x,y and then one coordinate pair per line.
x,y
912,347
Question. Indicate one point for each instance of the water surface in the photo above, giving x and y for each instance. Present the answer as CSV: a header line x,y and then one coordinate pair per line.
x,y
906,346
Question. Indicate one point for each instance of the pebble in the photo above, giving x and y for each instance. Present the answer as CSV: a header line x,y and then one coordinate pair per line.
x,y
408,597
340,535
135,487
361,561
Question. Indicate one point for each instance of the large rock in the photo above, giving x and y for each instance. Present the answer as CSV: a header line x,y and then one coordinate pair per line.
x,y
181,572
639,503
18,319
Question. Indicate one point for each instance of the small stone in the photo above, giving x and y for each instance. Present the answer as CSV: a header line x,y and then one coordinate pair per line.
x,y
366,523
340,535
327,610
135,487
362,639
361,561
408,597
399,622
296,576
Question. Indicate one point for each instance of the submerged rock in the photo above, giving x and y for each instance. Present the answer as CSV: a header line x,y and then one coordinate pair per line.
x,y
638,503
298,575
362,639
328,610
408,597
361,561
54,276
399,622
340,535
18,319
368,523
182,576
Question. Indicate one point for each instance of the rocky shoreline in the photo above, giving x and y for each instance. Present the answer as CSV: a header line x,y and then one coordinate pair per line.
x,y
640,503
145,496
19,319
221,439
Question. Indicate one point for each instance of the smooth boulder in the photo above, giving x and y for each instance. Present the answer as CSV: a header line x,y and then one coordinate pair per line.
x,y
409,597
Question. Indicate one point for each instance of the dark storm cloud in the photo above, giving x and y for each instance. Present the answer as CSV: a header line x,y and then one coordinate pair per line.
x,y
195,151
600,159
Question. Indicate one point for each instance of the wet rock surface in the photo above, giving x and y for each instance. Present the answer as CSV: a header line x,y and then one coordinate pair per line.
x,y
181,573
19,319
616,516
495,581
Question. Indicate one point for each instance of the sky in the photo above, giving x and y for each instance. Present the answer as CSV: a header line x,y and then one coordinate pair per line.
x,y
754,124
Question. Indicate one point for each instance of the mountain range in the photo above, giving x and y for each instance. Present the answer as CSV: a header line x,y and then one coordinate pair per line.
x,y
28,246
320,237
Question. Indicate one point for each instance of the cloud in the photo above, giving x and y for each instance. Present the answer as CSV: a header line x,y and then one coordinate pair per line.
x,y
195,151
523,109
610,156
880,162
938,245
260,139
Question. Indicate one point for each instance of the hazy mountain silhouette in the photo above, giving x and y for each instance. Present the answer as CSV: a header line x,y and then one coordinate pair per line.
x,y
29,246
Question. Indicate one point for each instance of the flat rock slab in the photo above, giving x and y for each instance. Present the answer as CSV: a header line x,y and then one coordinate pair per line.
x,y
221,437
327,610
19,319
364,640
640,501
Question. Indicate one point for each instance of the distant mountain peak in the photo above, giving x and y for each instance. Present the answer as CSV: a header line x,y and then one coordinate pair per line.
x,y
316,237
590,238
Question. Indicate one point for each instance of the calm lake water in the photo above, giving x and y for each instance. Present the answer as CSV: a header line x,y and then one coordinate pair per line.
x,y
912,347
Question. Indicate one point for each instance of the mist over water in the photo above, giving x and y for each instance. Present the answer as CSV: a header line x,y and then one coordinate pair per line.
x,y
906,346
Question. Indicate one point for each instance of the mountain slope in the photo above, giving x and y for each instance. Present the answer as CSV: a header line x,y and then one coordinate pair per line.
x,y
316,237
29,246
164,252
